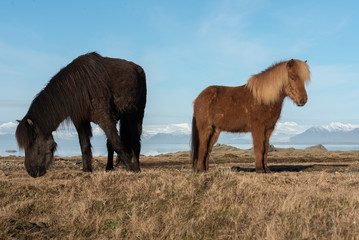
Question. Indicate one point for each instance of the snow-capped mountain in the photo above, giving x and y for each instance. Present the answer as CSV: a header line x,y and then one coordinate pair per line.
x,y
167,133
173,129
339,127
333,133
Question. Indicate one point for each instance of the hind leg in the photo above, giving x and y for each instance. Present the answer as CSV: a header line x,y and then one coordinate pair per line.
x,y
114,140
205,135
110,153
212,140
130,133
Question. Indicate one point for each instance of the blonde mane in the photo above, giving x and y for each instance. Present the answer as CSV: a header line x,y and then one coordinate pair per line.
x,y
267,86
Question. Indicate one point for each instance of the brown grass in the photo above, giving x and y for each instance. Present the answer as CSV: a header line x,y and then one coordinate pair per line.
x,y
167,201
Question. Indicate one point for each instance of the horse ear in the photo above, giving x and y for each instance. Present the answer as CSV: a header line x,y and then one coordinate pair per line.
x,y
305,61
30,122
18,121
290,63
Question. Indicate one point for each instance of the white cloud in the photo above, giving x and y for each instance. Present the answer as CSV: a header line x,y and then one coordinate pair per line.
x,y
8,128
65,132
8,125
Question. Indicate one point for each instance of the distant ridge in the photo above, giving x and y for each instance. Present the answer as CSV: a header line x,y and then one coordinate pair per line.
x,y
319,147
316,135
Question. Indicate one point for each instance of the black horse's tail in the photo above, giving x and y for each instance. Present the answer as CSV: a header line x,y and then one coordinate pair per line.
x,y
194,143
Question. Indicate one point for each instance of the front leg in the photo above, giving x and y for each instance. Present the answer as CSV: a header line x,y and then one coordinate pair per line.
x,y
110,152
84,131
258,135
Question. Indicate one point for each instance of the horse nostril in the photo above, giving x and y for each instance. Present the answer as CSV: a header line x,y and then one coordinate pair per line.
x,y
302,101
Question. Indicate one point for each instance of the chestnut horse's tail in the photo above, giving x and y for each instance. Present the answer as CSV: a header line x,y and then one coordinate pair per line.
x,y
194,143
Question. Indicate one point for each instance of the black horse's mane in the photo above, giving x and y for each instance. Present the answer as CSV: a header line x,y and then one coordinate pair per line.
x,y
68,93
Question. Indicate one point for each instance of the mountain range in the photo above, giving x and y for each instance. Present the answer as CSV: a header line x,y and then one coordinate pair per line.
x,y
316,135
180,134
334,133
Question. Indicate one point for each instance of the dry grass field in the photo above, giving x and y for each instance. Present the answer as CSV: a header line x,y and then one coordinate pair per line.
x,y
310,194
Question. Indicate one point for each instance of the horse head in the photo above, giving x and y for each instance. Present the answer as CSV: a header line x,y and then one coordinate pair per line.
x,y
39,148
298,75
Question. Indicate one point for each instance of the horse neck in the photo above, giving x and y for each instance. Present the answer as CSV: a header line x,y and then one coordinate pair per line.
x,y
46,117
281,99
279,103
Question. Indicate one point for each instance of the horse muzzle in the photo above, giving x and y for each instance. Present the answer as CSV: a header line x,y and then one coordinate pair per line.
x,y
38,172
302,102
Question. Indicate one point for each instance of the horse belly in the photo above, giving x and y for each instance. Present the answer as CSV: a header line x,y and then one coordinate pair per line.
x,y
100,109
232,121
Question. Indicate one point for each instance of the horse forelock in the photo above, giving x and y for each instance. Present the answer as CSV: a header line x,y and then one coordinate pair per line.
x,y
302,70
267,85
24,134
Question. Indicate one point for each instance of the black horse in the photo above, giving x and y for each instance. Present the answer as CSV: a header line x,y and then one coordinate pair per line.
x,y
91,88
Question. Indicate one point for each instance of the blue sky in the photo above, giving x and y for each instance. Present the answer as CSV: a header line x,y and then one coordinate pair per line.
x,y
185,46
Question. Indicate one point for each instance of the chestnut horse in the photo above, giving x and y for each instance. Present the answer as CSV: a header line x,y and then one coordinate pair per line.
x,y
254,107
91,88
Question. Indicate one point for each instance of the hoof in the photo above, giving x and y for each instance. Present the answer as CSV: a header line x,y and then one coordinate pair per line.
x,y
136,170
197,170
108,169
118,161
130,167
87,170
261,170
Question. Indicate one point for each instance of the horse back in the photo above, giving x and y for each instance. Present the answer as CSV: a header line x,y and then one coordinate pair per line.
x,y
226,108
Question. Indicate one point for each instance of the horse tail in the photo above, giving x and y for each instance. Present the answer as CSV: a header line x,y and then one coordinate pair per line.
x,y
142,88
194,143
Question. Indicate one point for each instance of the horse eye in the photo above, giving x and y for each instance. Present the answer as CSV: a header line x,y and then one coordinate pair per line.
x,y
292,78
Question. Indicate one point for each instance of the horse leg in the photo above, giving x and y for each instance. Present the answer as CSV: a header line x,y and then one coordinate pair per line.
x,y
136,140
258,135
130,133
204,135
84,132
212,140
110,152
110,130
266,148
